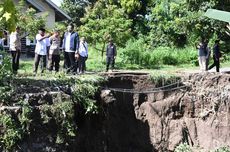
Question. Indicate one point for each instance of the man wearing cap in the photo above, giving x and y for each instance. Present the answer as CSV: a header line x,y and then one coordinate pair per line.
x,y
41,50
111,53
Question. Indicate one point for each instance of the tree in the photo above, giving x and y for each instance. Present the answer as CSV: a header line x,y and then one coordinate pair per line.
x,y
76,9
105,21
8,15
17,16
176,22
137,11
28,21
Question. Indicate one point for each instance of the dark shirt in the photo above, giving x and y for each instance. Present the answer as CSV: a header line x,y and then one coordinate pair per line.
x,y
111,50
216,51
202,49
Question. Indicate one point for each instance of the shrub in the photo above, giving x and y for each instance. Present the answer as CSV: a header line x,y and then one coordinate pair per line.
x,y
136,52
183,147
223,149
12,133
5,78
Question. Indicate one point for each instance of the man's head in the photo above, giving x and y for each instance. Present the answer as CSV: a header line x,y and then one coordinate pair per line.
x,y
110,41
17,29
83,39
42,31
70,28
56,32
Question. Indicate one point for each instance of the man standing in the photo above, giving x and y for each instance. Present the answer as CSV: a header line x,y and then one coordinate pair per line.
x,y
111,53
83,55
40,50
216,56
15,49
54,52
71,47
202,53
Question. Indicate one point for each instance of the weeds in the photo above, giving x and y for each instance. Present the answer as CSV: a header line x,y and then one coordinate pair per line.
x,y
136,52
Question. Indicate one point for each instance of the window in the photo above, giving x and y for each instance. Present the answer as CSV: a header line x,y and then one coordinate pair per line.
x,y
6,42
30,42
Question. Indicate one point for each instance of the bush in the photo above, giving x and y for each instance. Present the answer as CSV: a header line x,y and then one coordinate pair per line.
x,y
136,52
5,78
183,147
223,149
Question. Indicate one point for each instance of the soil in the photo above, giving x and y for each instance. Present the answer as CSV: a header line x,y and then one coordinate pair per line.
x,y
131,119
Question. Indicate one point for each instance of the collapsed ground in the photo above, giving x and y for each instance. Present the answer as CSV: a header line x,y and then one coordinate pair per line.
x,y
118,112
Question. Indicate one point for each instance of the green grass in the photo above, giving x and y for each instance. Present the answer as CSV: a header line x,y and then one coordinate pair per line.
x,y
96,63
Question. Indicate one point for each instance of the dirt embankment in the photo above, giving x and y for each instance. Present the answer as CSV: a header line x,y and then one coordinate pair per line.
x,y
134,116
157,120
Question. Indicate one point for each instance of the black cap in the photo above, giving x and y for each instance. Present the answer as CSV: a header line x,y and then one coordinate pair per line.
x,y
42,29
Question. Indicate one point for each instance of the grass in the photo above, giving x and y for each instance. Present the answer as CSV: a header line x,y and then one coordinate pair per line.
x,y
96,63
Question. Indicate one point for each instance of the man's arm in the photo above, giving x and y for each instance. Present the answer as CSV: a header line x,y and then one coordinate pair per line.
x,y
107,49
115,51
23,35
63,41
40,38
87,49
77,42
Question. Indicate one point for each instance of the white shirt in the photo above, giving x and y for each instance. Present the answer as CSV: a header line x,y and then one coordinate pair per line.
x,y
67,43
15,41
47,42
83,49
41,46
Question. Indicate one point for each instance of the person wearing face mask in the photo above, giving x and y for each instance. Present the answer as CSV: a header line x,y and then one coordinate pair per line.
x,y
41,50
70,46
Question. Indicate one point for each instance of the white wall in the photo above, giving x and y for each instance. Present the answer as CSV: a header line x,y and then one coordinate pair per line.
x,y
50,19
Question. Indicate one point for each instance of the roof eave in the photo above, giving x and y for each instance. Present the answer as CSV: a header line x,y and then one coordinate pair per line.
x,y
57,9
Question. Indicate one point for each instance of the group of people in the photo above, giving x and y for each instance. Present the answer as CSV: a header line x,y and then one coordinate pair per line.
x,y
48,49
204,54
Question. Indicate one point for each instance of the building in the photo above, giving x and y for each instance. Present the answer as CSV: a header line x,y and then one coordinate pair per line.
x,y
54,14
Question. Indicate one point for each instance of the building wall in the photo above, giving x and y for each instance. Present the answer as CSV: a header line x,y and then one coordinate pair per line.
x,y
50,19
